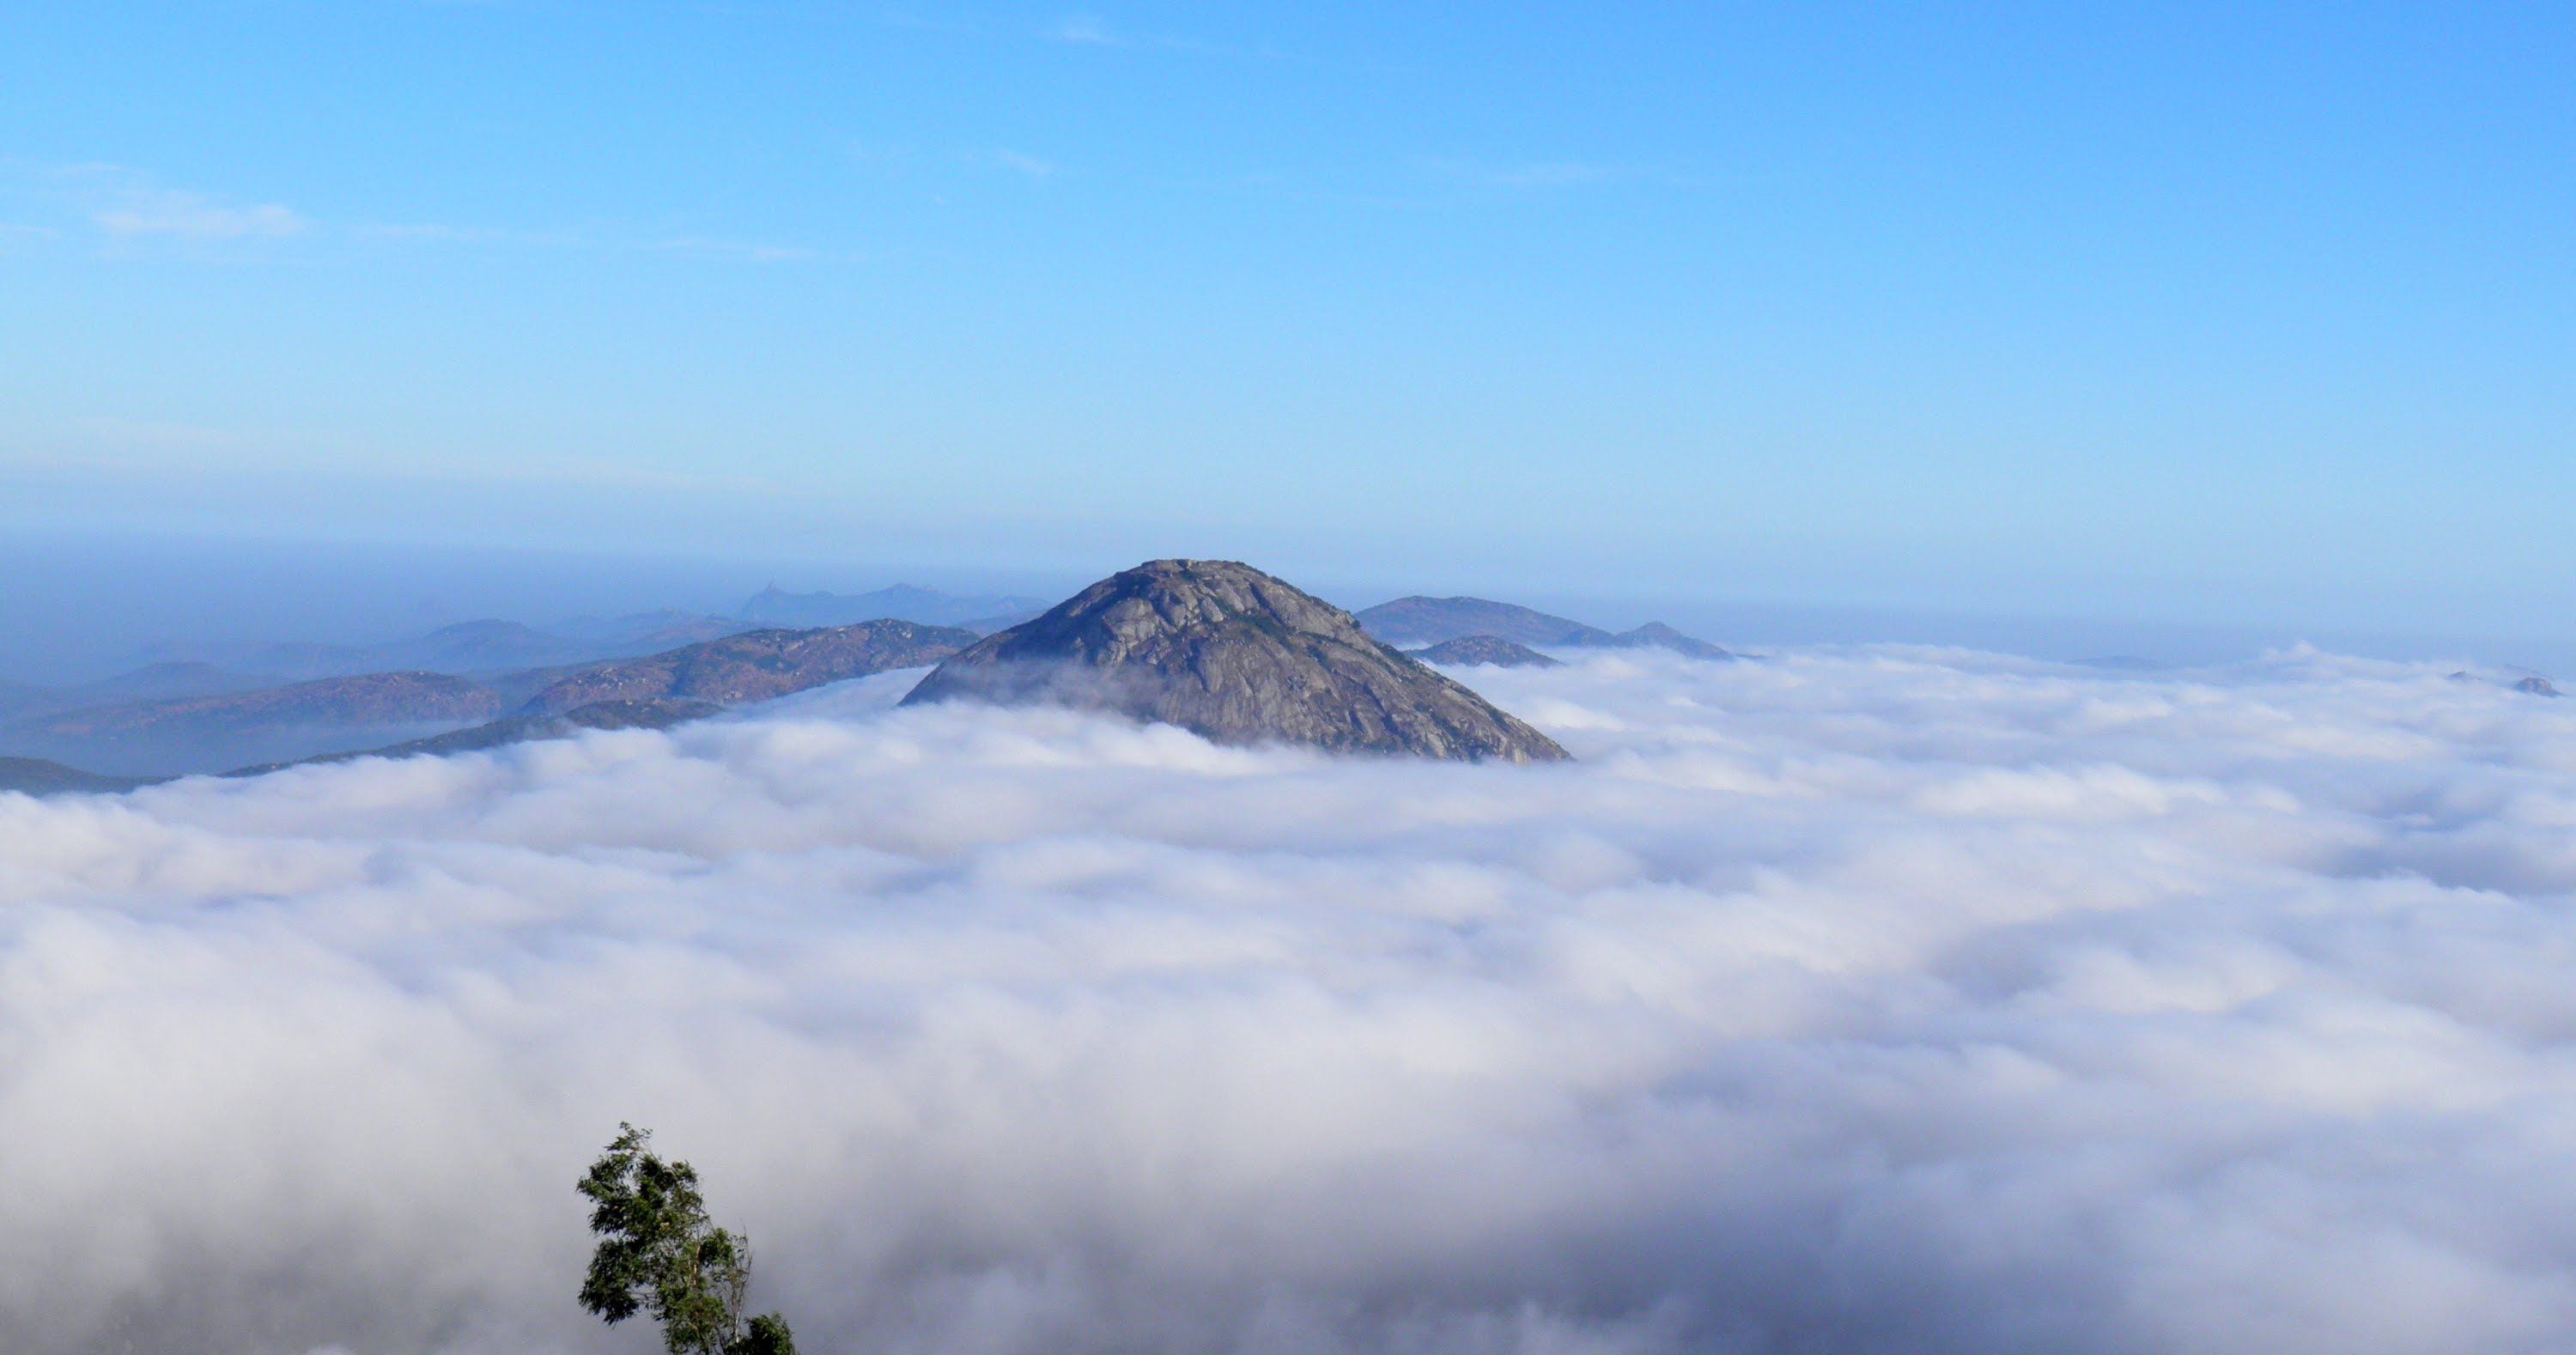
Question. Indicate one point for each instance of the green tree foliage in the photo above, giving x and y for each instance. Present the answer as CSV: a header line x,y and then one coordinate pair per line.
x,y
659,1252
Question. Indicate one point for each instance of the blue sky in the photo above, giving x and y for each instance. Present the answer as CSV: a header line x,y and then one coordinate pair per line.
x,y
2188,312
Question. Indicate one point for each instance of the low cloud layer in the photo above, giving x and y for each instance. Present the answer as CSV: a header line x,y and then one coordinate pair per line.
x,y
1888,1000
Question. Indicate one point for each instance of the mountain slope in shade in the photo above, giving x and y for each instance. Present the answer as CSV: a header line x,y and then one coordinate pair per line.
x,y
600,715
36,776
1236,656
1468,651
903,602
754,666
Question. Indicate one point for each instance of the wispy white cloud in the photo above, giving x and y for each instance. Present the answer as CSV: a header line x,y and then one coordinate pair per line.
x,y
1086,30
1090,30
694,246
1016,162
196,216
126,203
703,247
129,206
435,232
1549,175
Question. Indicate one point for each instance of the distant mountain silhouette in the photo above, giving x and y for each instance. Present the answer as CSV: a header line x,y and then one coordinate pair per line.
x,y
36,776
2522,680
425,711
1657,635
1230,653
166,682
478,647
279,662
466,647
1431,621
152,682
754,666
650,632
902,602
207,733
1471,650
369,699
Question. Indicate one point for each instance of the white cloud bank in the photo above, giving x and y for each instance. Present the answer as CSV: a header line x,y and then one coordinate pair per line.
x,y
1870,1001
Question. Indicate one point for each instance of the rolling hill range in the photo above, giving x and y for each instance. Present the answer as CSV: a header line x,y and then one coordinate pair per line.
x,y
297,721
902,602
754,666
1469,651
1413,621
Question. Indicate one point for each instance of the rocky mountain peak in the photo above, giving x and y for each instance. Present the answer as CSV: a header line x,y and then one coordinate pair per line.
x,y
1237,656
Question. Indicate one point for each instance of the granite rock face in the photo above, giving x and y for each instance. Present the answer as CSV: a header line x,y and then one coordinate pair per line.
x,y
1236,656
1468,651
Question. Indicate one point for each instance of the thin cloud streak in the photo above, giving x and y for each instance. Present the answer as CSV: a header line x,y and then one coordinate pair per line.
x,y
1538,176
193,216
1027,166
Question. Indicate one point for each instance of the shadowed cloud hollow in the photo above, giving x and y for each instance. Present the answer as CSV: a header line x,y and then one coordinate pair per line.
x,y
1880,1001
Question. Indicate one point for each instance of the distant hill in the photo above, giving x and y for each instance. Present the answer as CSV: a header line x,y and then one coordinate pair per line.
x,y
1657,635
754,666
36,776
902,602
164,682
1236,656
1429,621
424,711
369,699
2521,680
209,733
152,682
454,649
291,661
1468,651
1414,621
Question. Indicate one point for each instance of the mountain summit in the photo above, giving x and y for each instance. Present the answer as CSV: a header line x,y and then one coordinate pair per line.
x,y
1236,656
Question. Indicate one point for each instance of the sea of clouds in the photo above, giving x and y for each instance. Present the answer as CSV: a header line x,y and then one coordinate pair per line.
x,y
1847,1001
